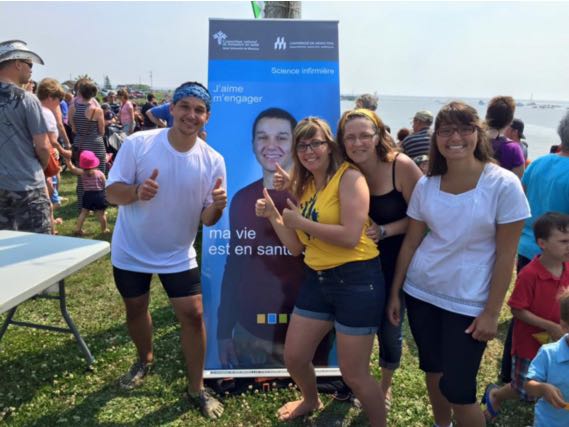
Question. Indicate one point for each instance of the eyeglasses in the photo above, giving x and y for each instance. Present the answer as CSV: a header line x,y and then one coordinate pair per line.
x,y
463,130
364,137
28,63
314,145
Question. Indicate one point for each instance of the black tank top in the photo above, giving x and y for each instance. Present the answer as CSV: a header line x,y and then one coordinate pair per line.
x,y
385,209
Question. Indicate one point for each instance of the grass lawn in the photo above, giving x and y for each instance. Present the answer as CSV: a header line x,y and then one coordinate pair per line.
x,y
44,381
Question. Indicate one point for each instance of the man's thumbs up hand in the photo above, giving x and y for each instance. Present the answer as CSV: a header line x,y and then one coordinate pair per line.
x,y
149,188
219,195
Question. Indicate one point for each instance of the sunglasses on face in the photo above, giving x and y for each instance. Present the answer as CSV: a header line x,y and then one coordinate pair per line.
x,y
28,63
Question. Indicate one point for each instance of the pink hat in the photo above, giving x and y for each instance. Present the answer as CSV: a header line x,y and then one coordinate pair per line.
x,y
88,160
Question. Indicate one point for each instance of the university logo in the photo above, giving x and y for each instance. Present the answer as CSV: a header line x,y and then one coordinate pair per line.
x,y
280,43
220,36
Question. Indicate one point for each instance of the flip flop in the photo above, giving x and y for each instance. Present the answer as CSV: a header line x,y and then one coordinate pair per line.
x,y
388,400
489,413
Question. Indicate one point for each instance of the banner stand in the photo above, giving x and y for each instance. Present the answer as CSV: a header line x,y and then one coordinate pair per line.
x,y
264,76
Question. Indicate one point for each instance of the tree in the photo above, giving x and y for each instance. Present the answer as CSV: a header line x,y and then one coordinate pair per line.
x,y
107,84
84,76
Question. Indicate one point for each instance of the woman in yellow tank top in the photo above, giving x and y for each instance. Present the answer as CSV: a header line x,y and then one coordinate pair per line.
x,y
343,286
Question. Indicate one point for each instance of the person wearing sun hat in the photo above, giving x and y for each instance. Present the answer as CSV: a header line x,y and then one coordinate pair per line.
x,y
516,133
418,143
24,202
94,182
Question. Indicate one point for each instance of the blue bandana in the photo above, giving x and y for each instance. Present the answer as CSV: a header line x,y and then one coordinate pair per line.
x,y
195,91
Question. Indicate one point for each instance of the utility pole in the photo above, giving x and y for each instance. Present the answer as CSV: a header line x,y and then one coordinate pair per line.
x,y
283,9
150,72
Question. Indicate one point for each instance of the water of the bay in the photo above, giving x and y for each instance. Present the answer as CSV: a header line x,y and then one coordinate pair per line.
x,y
541,120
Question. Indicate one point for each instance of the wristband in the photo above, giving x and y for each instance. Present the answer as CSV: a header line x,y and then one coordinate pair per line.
x,y
382,232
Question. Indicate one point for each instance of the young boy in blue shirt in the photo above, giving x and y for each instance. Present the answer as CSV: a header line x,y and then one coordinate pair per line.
x,y
548,375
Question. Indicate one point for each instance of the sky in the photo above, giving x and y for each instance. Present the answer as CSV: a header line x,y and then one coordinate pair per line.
x,y
466,49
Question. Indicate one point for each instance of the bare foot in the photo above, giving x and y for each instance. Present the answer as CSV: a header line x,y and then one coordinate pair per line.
x,y
78,233
106,231
297,408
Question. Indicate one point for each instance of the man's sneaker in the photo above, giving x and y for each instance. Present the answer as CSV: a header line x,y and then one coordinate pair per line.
x,y
135,376
209,406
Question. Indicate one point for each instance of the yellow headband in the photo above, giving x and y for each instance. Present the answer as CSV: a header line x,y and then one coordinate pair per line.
x,y
358,112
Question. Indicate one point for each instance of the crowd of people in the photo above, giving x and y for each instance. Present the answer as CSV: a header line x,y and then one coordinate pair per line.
x,y
78,122
430,224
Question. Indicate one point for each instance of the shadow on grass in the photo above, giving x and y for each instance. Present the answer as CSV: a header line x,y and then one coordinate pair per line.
x,y
87,412
503,326
29,372
334,413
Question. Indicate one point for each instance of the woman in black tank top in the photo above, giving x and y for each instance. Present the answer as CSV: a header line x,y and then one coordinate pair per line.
x,y
391,177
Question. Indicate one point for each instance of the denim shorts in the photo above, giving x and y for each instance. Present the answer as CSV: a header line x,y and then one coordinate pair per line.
x,y
55,199
128,128
351,295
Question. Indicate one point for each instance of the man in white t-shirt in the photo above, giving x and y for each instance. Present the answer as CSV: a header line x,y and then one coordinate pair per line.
x,y
165,182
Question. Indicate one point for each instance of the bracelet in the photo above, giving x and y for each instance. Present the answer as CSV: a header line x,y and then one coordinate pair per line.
x,y
382,232
136,192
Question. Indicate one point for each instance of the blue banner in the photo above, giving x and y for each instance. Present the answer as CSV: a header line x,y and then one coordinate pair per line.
x,y
264,76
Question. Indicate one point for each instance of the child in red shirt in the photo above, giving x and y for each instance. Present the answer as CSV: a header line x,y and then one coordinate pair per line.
x,y
535,306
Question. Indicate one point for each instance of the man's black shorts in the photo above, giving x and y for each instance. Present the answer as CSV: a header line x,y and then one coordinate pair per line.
x,y
132,284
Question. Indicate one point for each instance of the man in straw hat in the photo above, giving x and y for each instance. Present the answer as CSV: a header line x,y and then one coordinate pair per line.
x,y
24,144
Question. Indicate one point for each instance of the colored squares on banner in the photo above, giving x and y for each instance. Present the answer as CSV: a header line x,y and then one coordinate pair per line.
x,y
272,318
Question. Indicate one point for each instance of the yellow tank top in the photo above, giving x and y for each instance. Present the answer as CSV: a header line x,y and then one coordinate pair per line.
x,y
324,207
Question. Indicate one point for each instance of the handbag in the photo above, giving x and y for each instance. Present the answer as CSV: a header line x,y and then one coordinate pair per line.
x,y
52,167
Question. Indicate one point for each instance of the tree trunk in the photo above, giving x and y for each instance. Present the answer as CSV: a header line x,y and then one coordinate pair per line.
x,y
283,9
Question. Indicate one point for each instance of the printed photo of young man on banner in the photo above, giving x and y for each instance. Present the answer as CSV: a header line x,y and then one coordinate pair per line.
x,y
264,76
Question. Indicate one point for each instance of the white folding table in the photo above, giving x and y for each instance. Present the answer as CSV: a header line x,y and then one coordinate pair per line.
x,y
30,263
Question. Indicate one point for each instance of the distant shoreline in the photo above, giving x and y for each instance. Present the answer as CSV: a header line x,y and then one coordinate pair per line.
x,y
553,102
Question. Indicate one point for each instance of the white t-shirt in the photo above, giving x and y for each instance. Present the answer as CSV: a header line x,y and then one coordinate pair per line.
x,y
157,236
49,118
453,265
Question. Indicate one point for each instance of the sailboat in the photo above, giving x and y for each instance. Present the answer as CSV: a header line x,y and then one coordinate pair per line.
x,y
531,102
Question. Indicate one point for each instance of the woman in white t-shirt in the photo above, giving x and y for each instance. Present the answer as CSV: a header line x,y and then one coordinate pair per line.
x,y
50,93
456,262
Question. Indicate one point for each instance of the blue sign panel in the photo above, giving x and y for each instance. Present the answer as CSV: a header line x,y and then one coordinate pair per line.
x,y
264,76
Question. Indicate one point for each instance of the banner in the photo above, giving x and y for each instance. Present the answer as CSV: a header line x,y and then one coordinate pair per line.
x,y
264,76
